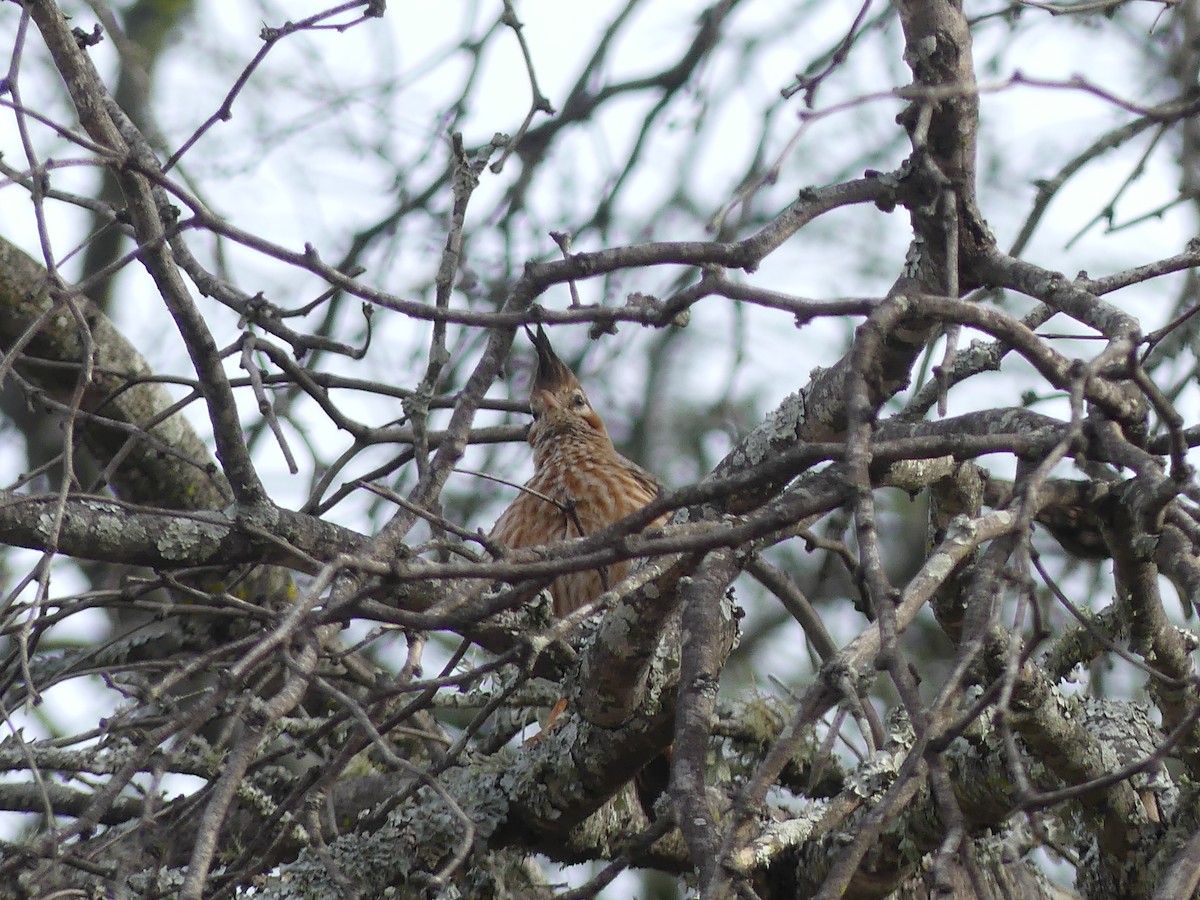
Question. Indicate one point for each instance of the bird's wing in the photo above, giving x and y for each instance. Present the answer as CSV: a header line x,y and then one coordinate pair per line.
x,y
647,480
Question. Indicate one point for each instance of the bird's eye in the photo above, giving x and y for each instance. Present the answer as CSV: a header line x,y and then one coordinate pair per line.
x,y
578,400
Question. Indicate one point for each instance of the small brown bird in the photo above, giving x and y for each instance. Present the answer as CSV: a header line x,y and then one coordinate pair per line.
x,y
580,484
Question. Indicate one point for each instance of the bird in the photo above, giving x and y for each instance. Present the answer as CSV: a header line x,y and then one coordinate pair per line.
x,y
580,486
580,483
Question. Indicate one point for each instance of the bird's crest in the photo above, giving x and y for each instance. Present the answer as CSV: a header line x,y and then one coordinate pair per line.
x,y
552,373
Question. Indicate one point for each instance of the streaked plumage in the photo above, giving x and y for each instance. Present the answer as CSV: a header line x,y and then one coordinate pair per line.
x,y
575,464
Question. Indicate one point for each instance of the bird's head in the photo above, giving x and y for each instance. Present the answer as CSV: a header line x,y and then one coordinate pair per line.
x,y
559,405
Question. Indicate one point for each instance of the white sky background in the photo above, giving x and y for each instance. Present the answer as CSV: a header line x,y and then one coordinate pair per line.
x,y
301,186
